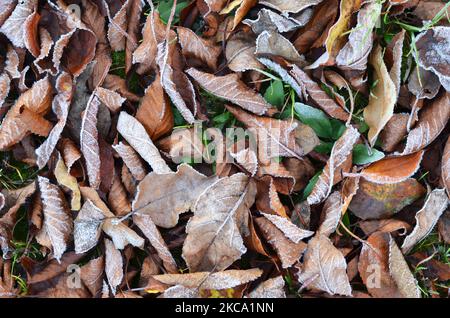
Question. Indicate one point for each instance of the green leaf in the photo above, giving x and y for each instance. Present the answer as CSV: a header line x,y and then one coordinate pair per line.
x,y
361,155
316,119
309,187
324,147
275,93
337,128
165,7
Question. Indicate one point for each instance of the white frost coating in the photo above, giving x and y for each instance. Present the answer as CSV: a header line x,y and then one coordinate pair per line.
x,y
271,288
333,212
133,131
113,265
269,20
131,160
13,26
292,231
117,26
426,218
12,63
341,150
247,159
289,6
87,227
5,82
273,43
111,99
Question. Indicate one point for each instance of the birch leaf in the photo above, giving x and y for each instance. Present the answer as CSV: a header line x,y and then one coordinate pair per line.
x,y
432,121
341,150
288,251
88,227
230,88
64,178
145,223
426,218
214,238
326,262
58,224
271,288
206,280
382,99
113,265
133,132
89,142
393,169
164,196
289,229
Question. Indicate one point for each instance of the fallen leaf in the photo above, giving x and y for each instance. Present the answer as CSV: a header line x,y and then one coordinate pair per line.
x,y
64,178
426,218
341,150
240,53
133,132
273,43
230,88
113,265
217,244
289,229
58,223
87,227
287,251
382,98
446,167
393,169
91,275
333,211
271,288
111,99
325,268
291,6
131,160
271,21
13,26
163,196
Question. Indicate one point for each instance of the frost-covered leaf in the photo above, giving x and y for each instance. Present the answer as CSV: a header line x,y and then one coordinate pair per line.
x,y
113,265
118,22
382,99
432,121
64,178
145,223
110,98
87,227
269,20
332,211
58,224
426,218
393,169
271,288
433,50
325,268
214,238
289,229
247,159
131,160
89,142
91,275
273,43
229,87
446,167
287,251
133,131
164,196
13,26
292,6
240,53
340,152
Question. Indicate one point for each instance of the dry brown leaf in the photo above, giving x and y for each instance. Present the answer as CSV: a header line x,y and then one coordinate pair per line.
x,y
206,280
64,178
87,227
382,98
394,131
287,251
240,52
154,111
145,223
229,87
293,6
131,160
271,21
247,159
91,275
432,121
214,238
118,198
340,152
58,223
426,218
332,210
13,26
393,169
113,265
271,288
325,268
133,132
446,167
194,46
273,43
164,196
109,98
433,48
89,142
375,201
289,229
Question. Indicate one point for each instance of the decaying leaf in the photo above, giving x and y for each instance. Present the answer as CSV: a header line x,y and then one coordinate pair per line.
x,y
333,210
87,227
446,167
271,288
64,178
214,233
292,231
426,218
113,265
325,268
